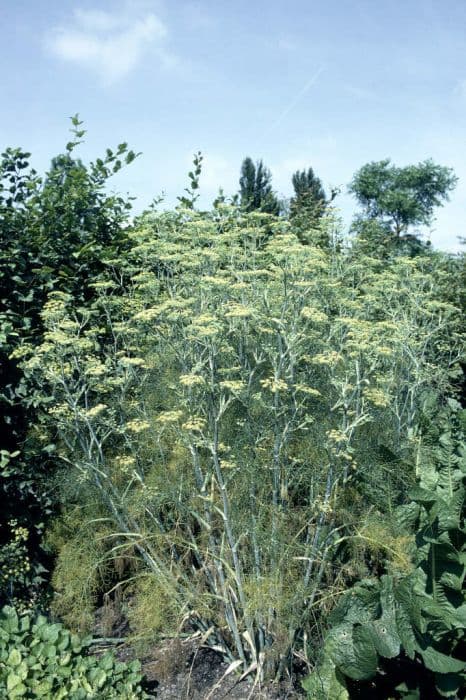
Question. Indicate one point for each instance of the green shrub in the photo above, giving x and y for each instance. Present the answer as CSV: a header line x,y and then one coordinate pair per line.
x,y
225,419
39,659
21,575
419,617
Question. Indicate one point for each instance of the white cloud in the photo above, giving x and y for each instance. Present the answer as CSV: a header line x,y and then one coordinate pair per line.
x,y
109,44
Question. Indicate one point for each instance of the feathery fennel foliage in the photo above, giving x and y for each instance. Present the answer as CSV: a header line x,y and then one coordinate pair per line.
x,y
219,410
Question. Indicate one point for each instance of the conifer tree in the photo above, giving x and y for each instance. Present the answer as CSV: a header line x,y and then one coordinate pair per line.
x,y
308,205
309,193
256,188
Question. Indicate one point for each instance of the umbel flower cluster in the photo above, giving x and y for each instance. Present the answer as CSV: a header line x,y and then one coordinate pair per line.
x,y
229,411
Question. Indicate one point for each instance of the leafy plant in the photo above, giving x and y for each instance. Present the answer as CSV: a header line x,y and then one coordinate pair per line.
x,y
21,577
421,615
54,232
402,197
220,414
39,659
214,405
189,199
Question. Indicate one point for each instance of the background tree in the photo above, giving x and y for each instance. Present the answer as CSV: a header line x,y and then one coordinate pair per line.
x,y
309,193
256,188
308,205
401,198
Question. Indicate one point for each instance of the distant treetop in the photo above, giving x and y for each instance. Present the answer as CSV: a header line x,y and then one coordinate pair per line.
x,y
402,197
256,188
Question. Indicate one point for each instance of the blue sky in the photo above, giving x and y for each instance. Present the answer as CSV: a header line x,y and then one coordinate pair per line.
x,y
330,84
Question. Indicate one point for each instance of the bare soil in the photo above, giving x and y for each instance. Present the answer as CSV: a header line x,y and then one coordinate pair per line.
x,y
183,669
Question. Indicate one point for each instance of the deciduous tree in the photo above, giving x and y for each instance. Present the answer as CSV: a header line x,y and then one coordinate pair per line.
x,y
402,198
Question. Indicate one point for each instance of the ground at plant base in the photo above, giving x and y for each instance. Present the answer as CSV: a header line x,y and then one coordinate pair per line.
x,y
184,669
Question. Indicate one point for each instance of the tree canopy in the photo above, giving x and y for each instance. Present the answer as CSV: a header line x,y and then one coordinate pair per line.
x,y
401,198
308,205
308,193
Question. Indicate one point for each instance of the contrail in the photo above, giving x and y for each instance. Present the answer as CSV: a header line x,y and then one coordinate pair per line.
x,y
294,102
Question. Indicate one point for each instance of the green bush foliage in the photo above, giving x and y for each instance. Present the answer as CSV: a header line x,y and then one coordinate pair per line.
x,y
216,415
239,408
421,615
20,578
54,232
39,659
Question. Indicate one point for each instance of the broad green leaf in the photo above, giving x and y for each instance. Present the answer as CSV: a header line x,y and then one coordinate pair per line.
x,y
325,683
14,658
364,651
13,682
385,637
43,688
100,678
341,649
441,663
404,627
